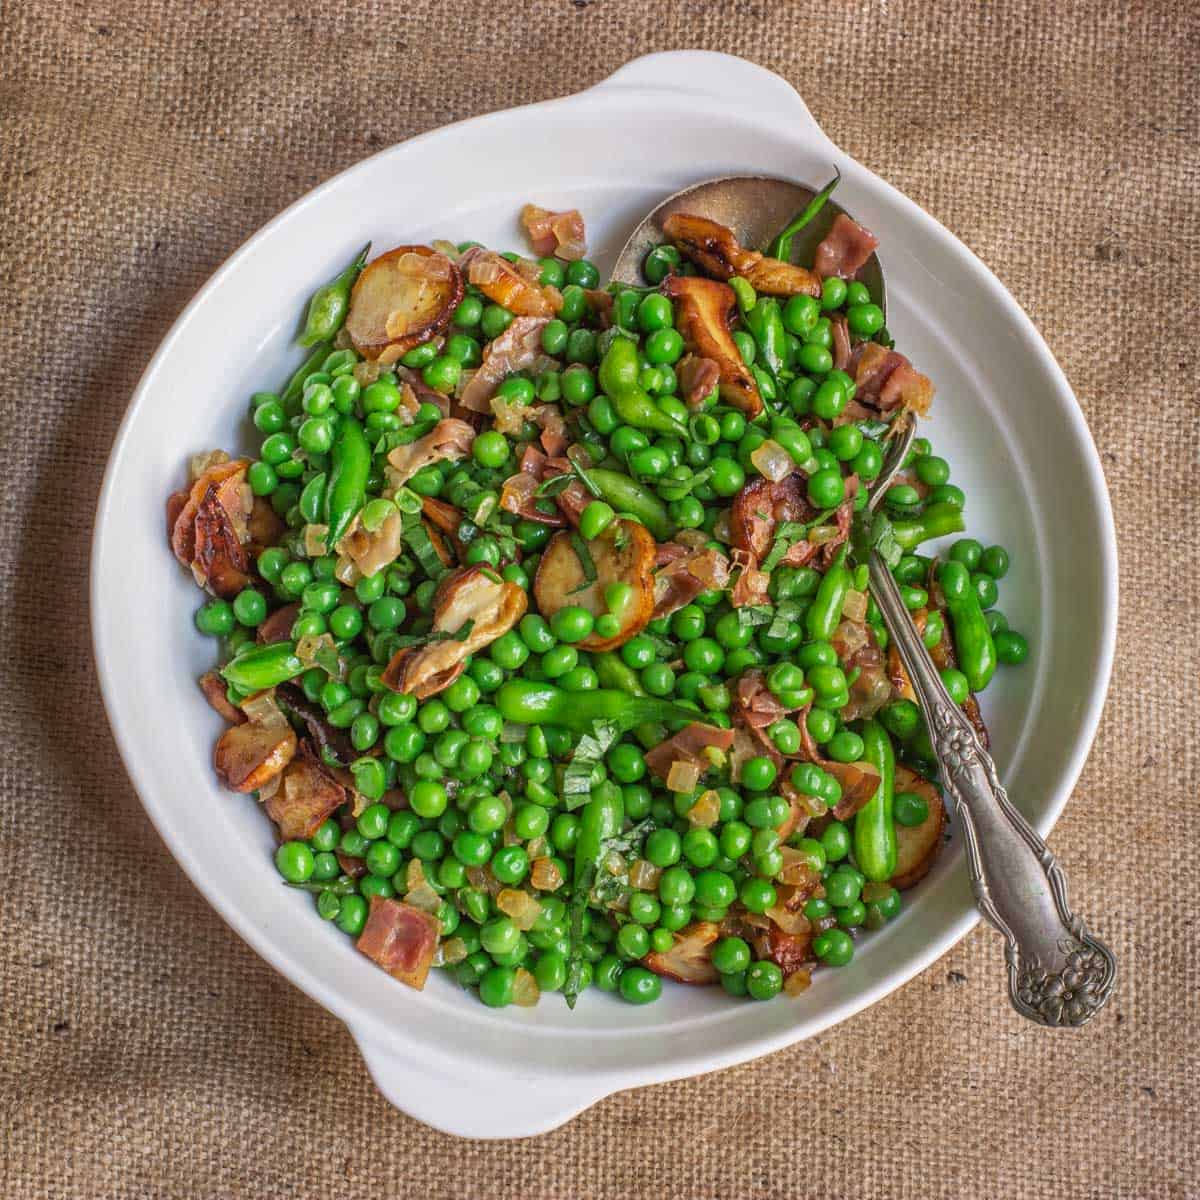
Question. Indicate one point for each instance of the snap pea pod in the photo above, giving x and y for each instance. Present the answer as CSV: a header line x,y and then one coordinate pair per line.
x,y
601,819
290,396
328,307
825,611
936,521
628,496
973,644
765,322
350,464
613,674
527,702
312,500
618,374
874,829
263,667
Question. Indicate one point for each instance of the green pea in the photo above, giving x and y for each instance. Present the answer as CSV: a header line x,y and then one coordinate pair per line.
x,y
864,320
994,561
834,947
494,321
910,809
1011,647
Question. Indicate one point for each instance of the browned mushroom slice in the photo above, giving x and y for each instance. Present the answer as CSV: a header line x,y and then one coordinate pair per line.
x,y
216,693
689,959
400,939
227,478
250,755
623,553
703,318
917,846
400,300
307,796
714,249
473,603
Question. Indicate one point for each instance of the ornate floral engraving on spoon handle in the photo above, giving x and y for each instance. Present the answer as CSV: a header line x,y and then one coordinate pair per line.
x,y
1059,973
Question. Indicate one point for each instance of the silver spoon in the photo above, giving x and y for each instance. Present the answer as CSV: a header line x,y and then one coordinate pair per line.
x,y
1059,973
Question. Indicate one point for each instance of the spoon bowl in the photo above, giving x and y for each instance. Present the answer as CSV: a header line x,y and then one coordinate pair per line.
x,y
755,208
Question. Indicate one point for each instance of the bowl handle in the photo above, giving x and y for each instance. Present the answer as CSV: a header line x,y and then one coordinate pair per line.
x,y
722,77
485,1103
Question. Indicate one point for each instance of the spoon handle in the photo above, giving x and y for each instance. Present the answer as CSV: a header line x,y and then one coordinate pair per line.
x,y
1058,972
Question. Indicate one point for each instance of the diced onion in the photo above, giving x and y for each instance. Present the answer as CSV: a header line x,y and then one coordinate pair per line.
x,y
314,540
539,847
347,572
705,813
261,709
525,992
798,981
772,461
454,950
822,534
545,875
789,922
199,463
683,776
644,875
520,906
855,606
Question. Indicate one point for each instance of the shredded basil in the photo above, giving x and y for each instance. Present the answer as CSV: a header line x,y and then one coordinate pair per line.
x,y
577,779
585,560
416,538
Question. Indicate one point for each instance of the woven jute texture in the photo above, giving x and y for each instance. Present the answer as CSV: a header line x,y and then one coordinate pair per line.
x,y
144,1050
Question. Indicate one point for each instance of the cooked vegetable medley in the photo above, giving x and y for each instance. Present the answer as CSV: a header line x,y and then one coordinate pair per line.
x,y
547,641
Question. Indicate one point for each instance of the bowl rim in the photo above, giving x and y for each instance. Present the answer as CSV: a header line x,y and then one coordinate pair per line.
x,y
642,77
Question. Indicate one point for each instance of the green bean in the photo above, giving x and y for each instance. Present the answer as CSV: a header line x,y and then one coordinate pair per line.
x,y
874,830
263,667
330,303
781,245
350,464
973,643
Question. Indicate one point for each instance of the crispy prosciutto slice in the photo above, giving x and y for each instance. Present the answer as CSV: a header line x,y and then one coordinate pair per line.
x,y
845,249
400,939
688,746
449,439
555,233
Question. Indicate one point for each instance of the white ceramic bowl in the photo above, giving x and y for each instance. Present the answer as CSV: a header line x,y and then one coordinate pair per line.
x,y
1004,416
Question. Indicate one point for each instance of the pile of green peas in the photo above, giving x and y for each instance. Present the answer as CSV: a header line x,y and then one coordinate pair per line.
x,y
484,801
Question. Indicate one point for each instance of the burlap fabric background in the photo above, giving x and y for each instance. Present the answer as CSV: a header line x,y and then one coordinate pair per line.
x,y
144,1050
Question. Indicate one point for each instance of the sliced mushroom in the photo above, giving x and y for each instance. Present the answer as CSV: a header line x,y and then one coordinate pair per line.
x,y
760,507
211,527
248,756
278,626
623,553
307,796
703,318
917,846
215,692
689,959
400,300
473,594
714,249
401,939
